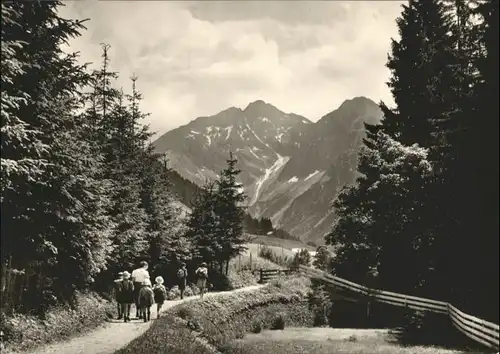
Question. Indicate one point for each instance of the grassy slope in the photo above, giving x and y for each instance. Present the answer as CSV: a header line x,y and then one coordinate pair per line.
x,y
326,341
23,332
279,242
224,317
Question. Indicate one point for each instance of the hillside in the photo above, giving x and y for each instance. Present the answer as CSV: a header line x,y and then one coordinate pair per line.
x,y
185,191
291,168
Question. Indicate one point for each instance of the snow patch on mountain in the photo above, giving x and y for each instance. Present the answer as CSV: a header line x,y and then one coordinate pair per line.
x,y
254,154
293,179
282,160
311,175
228,130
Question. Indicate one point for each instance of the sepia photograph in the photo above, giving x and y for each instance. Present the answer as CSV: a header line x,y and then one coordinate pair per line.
x,y
249,177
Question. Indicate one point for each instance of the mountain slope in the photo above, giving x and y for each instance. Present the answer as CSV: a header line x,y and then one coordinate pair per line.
x,y
323,160
291,168
259,135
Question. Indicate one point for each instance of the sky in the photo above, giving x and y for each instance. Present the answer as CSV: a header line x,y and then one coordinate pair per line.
x,y
198,58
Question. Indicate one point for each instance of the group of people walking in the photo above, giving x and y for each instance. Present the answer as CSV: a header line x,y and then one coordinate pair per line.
x,y
136,288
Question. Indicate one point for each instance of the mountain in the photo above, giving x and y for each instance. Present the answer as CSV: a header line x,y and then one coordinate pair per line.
x,y
291,168
323,159
258,135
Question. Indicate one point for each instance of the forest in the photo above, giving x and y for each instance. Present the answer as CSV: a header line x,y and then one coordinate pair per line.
x,y
186,191
422,218
84,195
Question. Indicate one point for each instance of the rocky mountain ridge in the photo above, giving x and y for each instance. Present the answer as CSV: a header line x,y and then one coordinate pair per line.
x,y
291,168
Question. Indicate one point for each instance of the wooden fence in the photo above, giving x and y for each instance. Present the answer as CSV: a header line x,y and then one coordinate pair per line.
x,y
484,332
265,275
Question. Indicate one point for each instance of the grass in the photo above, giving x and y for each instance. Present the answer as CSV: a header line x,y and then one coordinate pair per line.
x,y
279,242
326,341
221,319
231,316
168,335
247,262
23,332
278,251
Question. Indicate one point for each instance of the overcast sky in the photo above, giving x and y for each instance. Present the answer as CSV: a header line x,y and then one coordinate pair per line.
x,y
198,58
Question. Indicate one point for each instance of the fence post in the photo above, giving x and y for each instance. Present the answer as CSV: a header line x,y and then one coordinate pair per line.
x,y
261,276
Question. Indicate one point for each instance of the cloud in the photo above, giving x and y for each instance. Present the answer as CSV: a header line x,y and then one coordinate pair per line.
x,y
197,58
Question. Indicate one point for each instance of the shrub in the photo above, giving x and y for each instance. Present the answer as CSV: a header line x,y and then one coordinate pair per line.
x,y
24,332
256,327
240,279
278,322
173,293
320,304
184,313
224,318
267,253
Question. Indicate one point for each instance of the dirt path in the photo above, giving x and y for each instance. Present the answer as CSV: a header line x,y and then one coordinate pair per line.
x,y
115,335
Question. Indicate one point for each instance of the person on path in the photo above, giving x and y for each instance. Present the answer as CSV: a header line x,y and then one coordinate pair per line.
x,y
182,274
160,293
139,275
118,294
146,300
202,276
127,296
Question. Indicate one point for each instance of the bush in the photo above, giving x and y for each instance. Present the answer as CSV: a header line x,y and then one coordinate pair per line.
x,y
278,322
256,327
267,253
184,313
320,304
227,317
174,293
240,279
24,332
427,328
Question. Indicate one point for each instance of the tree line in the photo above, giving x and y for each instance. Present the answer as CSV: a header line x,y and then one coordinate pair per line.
x,y
186,191
84,194
422,218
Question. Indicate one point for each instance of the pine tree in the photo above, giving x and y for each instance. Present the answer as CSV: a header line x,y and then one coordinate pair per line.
x,y
127,213
203,226
230,211
322,258
66,224
422,66
488,140
24,154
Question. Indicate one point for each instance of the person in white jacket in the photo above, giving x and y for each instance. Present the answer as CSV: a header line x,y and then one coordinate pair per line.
x,y
139,276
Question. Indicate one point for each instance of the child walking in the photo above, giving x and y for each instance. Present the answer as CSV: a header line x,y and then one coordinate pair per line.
x,y
182,278
118,294
127,296
146,300
202,276
160,293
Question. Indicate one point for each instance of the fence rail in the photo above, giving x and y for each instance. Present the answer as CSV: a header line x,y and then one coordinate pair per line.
x,y
484,332
265,275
